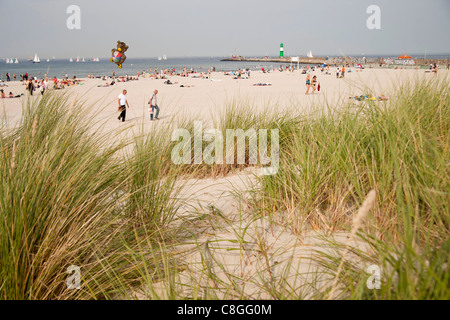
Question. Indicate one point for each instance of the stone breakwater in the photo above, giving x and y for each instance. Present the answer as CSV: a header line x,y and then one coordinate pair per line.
x,y
302,60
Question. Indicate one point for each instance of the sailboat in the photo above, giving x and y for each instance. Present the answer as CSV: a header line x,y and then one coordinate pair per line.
x,y
310,55
16,60
36,59
70,60
48,60
82,60
164,57
159,58
97,59
77,59
8,60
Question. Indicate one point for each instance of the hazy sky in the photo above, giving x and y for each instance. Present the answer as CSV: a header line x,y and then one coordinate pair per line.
x,y
220,28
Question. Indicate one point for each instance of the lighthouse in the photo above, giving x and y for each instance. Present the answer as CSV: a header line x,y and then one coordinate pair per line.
x,y
281,50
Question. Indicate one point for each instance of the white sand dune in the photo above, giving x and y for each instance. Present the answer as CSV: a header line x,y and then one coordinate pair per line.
x,y
236,254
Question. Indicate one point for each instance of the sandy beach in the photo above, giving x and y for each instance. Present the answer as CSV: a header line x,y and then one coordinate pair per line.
x,y
204,99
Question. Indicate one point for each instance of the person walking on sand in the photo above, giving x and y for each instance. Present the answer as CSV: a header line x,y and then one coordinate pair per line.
x,y
308,83
154,105
123,104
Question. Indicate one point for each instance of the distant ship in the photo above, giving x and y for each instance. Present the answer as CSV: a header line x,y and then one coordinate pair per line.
x,y
36,59
48,60
310,55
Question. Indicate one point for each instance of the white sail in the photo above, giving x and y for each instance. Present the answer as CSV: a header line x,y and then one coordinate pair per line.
x,y
160,58
71,60
310,55
36,58
97,59
77,59
164,57
48,60
82,60
16,60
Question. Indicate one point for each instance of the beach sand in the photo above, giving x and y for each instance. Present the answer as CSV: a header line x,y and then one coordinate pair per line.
x,y
205,99
288,253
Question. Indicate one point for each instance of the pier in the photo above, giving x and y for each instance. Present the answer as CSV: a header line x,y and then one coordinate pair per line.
x,y
302,60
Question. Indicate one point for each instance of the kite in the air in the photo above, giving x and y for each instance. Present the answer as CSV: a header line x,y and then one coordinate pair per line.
x,y
118,54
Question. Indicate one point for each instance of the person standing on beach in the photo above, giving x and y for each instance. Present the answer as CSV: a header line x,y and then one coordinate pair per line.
x,y
308,83
123,104
30,86
154,105
314,83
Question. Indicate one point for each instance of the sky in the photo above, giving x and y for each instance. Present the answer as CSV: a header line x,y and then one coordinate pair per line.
x,y
203,28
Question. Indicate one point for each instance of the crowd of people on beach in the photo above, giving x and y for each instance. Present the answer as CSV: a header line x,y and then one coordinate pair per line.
x,y
42,84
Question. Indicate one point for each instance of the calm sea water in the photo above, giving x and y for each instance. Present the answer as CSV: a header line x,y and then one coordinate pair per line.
x,y
131,66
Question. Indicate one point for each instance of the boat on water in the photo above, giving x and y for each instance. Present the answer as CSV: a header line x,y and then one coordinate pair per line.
x,y
159,58
16,60
48,60
164,57
71,60
8,60
82,60
77,59
36,59
310,55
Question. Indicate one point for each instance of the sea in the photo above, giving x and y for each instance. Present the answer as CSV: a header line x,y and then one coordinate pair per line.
x,y
62,67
